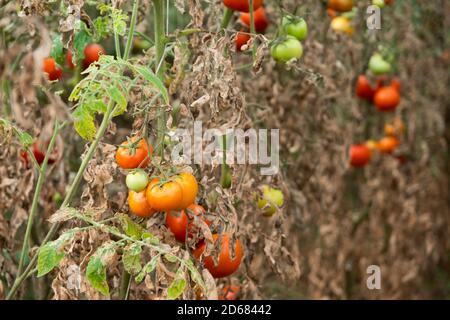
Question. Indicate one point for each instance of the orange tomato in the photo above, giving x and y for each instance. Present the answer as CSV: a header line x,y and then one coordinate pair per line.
x,y
259,17
340,5
226,265
241,39
388,144
134,153
164,197
360,155
138,204
242,5
387,98
178,222
53,71
364,89
189,188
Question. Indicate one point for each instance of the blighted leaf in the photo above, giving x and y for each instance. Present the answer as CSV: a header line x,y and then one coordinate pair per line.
x,y
119,99
150,238
195,275
81,40
131,228
149,267
170,257
63,214
48,259
96,275
84,123
132,258
153,79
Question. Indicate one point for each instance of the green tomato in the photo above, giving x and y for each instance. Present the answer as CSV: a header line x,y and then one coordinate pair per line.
x,y
378,65
295,27
378,3
287,49
271,200
137,180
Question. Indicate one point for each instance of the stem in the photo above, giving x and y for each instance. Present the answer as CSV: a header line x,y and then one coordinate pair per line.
x,y
252,28
131,31
73,188
117,44
37,193
124,285
224,167
158,16
227,14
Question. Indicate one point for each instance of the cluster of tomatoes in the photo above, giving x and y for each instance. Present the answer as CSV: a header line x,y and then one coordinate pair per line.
x,y
54,72
386,98
175,196
341,13
288,46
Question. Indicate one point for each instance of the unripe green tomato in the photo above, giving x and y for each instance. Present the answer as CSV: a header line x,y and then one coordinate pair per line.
x,y
377,65
295,27
287,49
136,180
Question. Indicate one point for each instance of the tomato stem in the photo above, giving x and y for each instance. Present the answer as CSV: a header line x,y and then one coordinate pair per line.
x,y
227,14
252,28
131,31
36,196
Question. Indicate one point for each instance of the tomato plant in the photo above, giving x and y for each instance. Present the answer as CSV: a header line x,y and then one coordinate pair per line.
x,y
227,263
295,27
137,180
178,222
164,196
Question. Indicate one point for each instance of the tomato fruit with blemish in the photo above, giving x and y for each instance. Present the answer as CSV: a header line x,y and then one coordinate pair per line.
x,y
178,222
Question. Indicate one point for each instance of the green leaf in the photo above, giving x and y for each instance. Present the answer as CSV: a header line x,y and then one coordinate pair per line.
x,y
119,99
57,51
149,267
80,40
96,275
48,258
170,257
176,288
132,258
150,238
148,75
25,139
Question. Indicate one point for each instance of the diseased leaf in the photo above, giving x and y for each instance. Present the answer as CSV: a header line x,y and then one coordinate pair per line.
x,y
131,228
84,123
176,288
149,267
195,275
96,275
119,99
48,258
132,258
170,257
57,51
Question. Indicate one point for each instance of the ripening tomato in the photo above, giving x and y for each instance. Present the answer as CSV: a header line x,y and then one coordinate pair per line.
x,y
92,53
189,188
295,26
360,155
341,5
164,197
138,204
136,180
259,17
387,98
69,60
241,39
287,49
134,153
178,222
229,293
226,264
343,25
395,83
53,71
242,5
364,89
388,144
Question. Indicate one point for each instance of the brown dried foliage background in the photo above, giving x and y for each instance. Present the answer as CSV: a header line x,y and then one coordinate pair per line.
x,y
337,220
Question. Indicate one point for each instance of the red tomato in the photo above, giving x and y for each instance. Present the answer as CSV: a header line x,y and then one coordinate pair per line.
x,y
364,89
92,53
259,17
388,144
229,293
241,39
178,222
387,98
134,153
226,265
53,71
360,155
242,5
